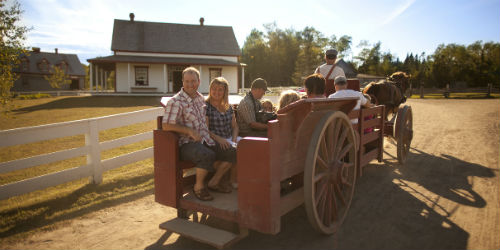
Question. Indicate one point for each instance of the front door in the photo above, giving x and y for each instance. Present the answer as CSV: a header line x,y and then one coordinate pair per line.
x,y
177,80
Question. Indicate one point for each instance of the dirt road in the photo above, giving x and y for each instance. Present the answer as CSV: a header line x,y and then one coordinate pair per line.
x,y
445,197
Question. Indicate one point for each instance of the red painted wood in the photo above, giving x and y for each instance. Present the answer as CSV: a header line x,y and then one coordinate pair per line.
x,y
258,186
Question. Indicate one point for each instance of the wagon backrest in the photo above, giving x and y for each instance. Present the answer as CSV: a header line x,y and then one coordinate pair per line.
x,y
295,124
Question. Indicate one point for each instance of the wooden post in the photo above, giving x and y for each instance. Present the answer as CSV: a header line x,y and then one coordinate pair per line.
x,y
489,90
411,89
94,156
422,90
447,91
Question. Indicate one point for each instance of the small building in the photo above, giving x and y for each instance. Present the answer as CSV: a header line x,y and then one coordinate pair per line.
x,y
35,65
150,56
349,71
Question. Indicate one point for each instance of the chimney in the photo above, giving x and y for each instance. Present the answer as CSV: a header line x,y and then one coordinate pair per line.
x,y
36,49
202,20
131,15
56,51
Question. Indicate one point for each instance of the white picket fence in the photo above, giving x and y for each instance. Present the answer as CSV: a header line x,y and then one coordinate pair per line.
x,y
92,149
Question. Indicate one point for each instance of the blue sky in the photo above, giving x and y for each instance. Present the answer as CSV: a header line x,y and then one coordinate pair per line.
x,y
402,26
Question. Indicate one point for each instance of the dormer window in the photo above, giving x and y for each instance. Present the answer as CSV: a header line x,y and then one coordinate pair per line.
x,y
25,64
44,65
63,66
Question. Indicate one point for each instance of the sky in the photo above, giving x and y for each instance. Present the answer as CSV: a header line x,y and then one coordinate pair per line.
x,y
401,26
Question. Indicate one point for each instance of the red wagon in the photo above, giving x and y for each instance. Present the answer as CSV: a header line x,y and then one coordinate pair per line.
x,y
312,145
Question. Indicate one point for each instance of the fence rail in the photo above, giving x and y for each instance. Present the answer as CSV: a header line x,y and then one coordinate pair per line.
x,y
92,149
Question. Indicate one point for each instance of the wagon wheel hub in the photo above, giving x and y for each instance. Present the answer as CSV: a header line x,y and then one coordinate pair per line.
x,y
335,170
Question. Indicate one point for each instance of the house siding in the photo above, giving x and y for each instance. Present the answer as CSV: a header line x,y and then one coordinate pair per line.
x,y
155,77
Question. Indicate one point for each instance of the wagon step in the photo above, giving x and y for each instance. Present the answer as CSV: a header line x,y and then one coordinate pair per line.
x,y
203,233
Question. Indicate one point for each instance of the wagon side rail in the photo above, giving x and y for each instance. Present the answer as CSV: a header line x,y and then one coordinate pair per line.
x,y
370,129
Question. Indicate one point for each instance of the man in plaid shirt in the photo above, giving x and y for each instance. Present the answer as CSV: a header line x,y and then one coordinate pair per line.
x,y
185,114
247,108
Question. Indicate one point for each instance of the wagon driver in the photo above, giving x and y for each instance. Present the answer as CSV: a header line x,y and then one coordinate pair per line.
x,y
330,70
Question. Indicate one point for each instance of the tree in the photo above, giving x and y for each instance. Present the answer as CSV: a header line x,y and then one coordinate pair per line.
x,y
58,77
254,54
312,46
12,36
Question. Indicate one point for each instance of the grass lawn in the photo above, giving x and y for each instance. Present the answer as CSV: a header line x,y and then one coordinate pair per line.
x,y
42,209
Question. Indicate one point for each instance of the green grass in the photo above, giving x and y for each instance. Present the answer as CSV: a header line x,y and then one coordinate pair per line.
x,y
43,209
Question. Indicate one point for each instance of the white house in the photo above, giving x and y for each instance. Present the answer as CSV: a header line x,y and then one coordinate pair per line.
x,y
150,56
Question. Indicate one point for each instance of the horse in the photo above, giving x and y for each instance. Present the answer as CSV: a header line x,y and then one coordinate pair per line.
x,y
389,92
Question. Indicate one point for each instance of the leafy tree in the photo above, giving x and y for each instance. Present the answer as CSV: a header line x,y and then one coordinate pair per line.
x,y
254,54
342,45
312,46
58,78
12,36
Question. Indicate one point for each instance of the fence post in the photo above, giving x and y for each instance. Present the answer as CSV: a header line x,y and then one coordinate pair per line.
x,y
447,91
422,90
489,90
94,156
411,89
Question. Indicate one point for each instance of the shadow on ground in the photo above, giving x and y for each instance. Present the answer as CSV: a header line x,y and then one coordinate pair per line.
x,y
385,212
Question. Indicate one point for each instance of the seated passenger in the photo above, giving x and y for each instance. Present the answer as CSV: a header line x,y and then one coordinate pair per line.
x,y
315,86
267,105
223,129
287,97
185,115
247,109
341,91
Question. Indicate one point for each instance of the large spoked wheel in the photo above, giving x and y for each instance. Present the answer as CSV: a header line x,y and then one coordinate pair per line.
x,y
404,133
330,172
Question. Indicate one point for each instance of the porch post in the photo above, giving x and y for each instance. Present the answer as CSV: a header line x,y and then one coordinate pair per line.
x,y
128,76
91,77
97,78
105,80
165,80
242,79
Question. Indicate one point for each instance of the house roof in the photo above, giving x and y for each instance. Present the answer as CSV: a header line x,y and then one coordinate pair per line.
x,y
162,60
139,36
75,67
349,71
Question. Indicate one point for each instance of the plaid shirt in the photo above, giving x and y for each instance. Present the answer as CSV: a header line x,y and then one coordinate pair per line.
x,y
181,109
220,123
246,113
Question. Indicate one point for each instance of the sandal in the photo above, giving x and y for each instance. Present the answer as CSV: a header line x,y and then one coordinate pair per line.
x,y
202,194
220,189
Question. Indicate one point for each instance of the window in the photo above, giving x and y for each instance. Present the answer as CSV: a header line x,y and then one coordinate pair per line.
x,y
63,66
25,64
214,73
44,65
141,76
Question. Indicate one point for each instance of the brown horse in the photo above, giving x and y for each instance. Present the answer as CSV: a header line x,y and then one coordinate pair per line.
x,y
390,92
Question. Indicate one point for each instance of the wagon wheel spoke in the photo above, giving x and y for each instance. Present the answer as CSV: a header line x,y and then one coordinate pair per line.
x,y
334,209
344,180
344,151
330,133
322,163
339,194
328,207
324,150
320,176
341,141
320,191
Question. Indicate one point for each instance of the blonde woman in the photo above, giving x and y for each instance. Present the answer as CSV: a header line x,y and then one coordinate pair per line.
x,y
287,97
223,128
